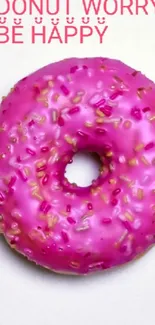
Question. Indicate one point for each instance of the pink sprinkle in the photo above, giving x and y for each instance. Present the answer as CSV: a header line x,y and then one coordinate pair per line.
x,y
81,134
115,95
114,201
1,197
31,123
44,149
65,236
12,181
107,147
61,121
149,146
136,113
18,159
68,208
100,131
73,110
73,69
42,168
127,225
85,67
117,191
45,179
106,220
65,90
99,103
90,206
22,176
71,220
146,109
107,110
30,152
45,207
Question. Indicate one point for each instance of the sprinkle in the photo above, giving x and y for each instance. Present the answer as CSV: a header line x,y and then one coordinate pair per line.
x,y
30,152
136,113
139,147
100,131
115,95
83,228
99,103
61,121
74,110
125,199
118,79
129,216
114,201
140,92
121,239
73,69
76,99
50,83
22,176
146,109
100,120
152,118
149,146
65,90
106,220
45,207
125,178
90,206
64,236
44,149
133,162
44,91
45,179
140,194
104,197
52,221
75,265
88,124
42,168
54,115
127,124
112,181
68,139
107,110
127,225
99,113
12,181
40,174
134,74
81,134
68,208
37,195
71,220
109,154
55,97
145,161
116,191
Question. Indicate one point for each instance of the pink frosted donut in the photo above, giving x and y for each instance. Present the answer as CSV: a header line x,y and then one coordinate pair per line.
x,y
99,105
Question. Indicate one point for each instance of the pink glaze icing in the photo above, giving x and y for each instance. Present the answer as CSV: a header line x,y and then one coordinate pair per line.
x,y
99,105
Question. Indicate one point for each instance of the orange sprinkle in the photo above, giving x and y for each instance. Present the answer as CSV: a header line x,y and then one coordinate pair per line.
x,y
112,181
99,113
139,147
127,124
100,120
125,199
104,197
129,216
145,161
88,124
51,83
75,264
52,221
133,162
76,99
140,194
109,154
152,119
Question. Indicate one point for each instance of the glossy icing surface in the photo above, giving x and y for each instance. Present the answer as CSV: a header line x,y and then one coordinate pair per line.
x,y
99,105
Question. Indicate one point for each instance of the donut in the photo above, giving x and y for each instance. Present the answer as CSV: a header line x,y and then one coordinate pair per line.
x,y
97,105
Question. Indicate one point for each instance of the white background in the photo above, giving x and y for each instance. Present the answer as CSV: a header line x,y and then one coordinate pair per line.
x,y
125,296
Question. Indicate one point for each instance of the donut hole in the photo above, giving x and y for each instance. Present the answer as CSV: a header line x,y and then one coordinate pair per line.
x,y
84,169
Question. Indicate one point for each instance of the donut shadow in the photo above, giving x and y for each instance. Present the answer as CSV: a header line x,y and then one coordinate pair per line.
x,y
21,260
